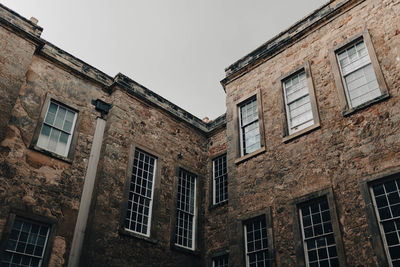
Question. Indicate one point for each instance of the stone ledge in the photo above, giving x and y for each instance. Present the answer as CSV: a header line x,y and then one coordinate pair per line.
x,y
289,36
365,105
31,31
249,156
16,20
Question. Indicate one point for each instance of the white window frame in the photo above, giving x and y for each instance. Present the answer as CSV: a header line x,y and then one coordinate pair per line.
x,y
290,132
340,84
243,127
46,242
304,239
267,249
214,181
379,221
194,218
70,135
293,129
147,234
224,256
361,67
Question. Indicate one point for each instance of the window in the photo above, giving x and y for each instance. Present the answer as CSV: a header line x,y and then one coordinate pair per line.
x,y
26,243
358,76
386,202
299,101
57,129
141,188
256,243
221,261
317,234
249,136
316,230
220,180
186,210
298,105
249,127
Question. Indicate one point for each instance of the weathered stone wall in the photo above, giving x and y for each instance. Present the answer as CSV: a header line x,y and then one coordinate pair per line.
x,y
216,217
338,155
175,143
15,57
33,182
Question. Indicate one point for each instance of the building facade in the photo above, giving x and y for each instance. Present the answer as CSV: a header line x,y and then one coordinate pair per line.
x,y
302,170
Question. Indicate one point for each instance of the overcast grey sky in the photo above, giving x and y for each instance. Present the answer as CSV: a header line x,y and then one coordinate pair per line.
x,y
176,48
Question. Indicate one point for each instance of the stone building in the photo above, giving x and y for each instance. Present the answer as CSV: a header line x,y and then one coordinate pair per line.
x,y
302,170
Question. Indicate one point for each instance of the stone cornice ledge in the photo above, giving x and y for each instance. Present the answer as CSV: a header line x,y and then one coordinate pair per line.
x,y
287,37
25,28
151,97
52,53
78,66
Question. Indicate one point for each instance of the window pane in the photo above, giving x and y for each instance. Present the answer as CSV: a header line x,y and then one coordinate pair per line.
x,y
44,136
357,71
298,104
51,114
221,261
23,250
386,197
60,117
62,144
69,120
249,112
256,242
51,138
250,133
140,194
50,118
220,180
54,136
251,138
185,209
318,239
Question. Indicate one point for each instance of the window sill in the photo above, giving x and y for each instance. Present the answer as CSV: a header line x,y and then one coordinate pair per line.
x,y
295,135
185,250
137,236
220,204
51,154
249,156
367,104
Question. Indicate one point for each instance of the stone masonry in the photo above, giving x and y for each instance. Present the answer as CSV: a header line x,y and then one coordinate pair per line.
x,y
340,158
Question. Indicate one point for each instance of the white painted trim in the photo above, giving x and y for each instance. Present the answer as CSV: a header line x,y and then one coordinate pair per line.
x,y
84,206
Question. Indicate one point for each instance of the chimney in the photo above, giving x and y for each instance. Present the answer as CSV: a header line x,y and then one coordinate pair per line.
x,y
34,20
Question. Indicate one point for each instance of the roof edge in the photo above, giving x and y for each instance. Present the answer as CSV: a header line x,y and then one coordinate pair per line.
x,y
288,36
29,30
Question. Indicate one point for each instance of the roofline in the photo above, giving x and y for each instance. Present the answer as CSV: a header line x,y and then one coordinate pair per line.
x,y
32,32
287,37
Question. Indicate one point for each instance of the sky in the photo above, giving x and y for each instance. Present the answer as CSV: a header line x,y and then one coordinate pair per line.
x,y
176,48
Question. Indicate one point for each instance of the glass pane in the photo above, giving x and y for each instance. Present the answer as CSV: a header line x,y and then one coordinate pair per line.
x,y
67,126
69,119
53,108
54,136
60,117
44,136
50,118
70,116
62,144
